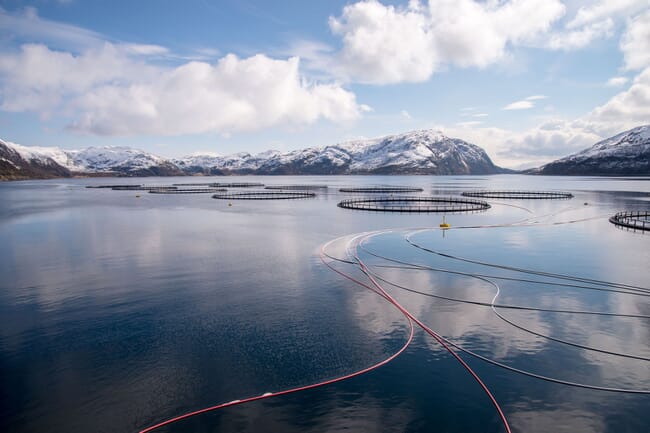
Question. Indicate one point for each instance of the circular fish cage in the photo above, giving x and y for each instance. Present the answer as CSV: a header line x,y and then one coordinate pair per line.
x,y
144,188
188,191
206,184
296,187
382,190
128,186
264,195
636,220
519,195
415,204
235,185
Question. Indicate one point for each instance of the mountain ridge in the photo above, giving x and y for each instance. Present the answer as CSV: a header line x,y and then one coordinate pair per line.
x,y
426,152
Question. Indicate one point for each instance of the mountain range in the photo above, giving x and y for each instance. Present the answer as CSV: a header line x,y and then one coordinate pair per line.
x,y
418,152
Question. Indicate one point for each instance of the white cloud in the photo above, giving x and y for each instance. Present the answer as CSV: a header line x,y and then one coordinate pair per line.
x,y
111,91
39,79
530,148
626,110
519,105
556,138
27,24
383,44
593,22
536,97
635,43
575,39
617,81
604,9
469,123
405,115
524,104
387,44
480,115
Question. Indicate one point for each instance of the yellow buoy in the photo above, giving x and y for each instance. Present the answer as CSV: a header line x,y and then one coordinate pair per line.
x,y
444,224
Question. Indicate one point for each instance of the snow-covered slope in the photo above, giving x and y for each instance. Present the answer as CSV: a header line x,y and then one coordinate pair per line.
x,y
625,154
19,162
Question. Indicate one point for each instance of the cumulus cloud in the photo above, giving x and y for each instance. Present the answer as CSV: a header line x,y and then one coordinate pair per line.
x,y
579,38
39,79
386,44
627,109
617,81
112,91
551,139
593,21
635,42
604,9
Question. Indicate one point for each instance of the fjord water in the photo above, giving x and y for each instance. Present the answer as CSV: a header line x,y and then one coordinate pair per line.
x,y
118,312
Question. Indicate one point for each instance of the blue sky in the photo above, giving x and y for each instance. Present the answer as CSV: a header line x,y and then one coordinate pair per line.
x,y
529,80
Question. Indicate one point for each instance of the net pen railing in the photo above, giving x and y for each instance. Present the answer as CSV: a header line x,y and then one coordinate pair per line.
x,y
518,194
381,190
637,220
264,195
415,204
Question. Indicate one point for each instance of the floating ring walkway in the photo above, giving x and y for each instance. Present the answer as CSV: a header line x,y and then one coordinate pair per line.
x,y
415,204
264,195
637,220
128,185
187,191
295,187
235,184
517,195
144,188
382,190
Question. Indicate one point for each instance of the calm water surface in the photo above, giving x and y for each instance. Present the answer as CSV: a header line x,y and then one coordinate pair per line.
x,y
118,312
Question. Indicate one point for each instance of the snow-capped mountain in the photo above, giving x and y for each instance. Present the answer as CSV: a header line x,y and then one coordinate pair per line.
x,y
418,152
56,162
120,160
625,154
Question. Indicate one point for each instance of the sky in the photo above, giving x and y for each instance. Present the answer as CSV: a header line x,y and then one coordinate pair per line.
x,y
528,80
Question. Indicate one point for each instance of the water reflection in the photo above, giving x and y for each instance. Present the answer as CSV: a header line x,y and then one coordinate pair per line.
x,y
119,312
